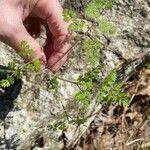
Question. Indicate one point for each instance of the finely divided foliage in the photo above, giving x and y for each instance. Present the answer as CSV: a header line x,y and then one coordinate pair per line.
x,y
106,26
14,71
25,50
91,48
109,89
53,83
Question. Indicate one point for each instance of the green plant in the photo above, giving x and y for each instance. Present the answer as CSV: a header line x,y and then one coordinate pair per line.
x,y
53,83
78,25
106,26
69,14
109,90
92,11
106,85
25,50
92,49
57,126
107,4
34,65
147,65
14,71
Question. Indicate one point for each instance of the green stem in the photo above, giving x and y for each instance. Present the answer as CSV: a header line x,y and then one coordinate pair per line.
x,y
70,81
7,70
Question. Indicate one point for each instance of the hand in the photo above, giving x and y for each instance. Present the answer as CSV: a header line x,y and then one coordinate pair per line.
x,y
16,14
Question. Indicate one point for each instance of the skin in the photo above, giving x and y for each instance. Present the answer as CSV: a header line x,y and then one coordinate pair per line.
x,y
21,20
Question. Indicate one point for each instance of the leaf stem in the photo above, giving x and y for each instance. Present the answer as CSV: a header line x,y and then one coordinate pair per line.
x,y
7,70
67,80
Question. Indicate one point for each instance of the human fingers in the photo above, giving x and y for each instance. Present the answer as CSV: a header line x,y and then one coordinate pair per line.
x,y
58,45
33,26
13,31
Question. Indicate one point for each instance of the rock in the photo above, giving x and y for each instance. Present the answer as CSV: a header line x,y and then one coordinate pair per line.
x,y
29,109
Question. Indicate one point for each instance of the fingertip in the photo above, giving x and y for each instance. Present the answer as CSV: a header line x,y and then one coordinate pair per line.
x,y
54,71
43,60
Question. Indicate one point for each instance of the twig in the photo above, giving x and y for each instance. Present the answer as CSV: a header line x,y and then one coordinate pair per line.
x,y
7,70
133,142
145,145
135,92
67,80
67,116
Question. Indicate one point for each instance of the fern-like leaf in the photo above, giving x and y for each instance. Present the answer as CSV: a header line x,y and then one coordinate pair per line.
x,y
122,99
25,50
17,74
106,85
69,14
10,79
53,83
4,83
92,50
106,26
76,26
57,126
12,65
83,97
105,4
34,65
92,11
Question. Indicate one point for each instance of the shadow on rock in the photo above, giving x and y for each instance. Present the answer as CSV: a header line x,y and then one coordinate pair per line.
x,y
8,95
77,5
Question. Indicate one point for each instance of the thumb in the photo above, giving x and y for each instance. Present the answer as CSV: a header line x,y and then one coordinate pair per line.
x,y
20,34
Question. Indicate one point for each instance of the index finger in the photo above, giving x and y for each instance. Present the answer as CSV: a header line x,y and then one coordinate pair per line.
x,y
52,12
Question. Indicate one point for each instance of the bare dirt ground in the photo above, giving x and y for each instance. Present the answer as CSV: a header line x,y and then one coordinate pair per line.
x,y
118,128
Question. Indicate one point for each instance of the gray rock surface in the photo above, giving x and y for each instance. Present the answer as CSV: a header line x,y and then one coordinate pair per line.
x,y
25,116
